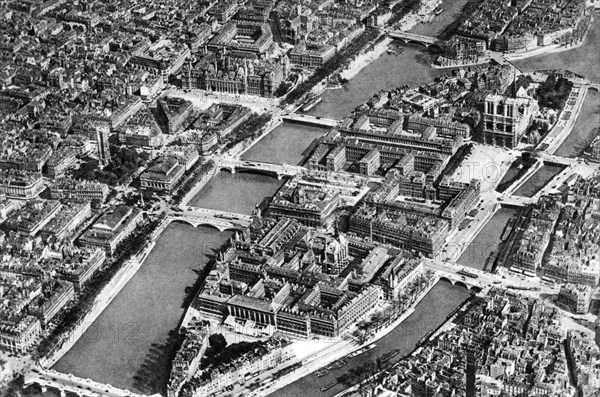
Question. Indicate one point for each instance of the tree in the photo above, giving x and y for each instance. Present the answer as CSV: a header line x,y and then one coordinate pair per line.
x,y
217,343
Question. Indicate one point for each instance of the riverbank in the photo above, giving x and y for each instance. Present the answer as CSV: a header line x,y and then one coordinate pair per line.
x,y
103,299
341,349
444,326
408,22
362,60
550,49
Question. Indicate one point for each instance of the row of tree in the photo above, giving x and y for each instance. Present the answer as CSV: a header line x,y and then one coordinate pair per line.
x,y
332,65
249,129
129,246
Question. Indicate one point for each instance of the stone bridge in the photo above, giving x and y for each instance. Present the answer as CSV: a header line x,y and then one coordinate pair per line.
x,y
67,383
310,120
232,164
220,220
416,38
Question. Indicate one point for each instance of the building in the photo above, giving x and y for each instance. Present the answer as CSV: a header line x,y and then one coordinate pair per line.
x,y
595,150
311,55
444,126
21,184
162,175
336,158
370,163
275,353
398,274
33,216
177,112
70,189
576,297
506,119
236,75
162,57
112,228
19,336
54,299
61,160
141,130
408,231
310,205
75,265
243,37
67,220
187,155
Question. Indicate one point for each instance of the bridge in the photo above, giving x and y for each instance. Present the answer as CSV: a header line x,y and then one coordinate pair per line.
x,y
232,164
220,220
310,120
449,271
67,383
416,38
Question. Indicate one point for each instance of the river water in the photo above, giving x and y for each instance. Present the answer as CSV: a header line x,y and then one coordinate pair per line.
x,y
584,60
411,67
487,240
429,314
538,180
239,192
286,144
586,127
131,343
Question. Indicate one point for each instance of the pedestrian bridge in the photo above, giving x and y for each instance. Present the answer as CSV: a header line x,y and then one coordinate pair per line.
x,y
310,120
232,164
68,383
416,38
220,220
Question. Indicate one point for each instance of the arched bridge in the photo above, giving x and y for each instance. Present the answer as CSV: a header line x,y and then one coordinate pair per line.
x,y
219,219
67,383
232,164
416,38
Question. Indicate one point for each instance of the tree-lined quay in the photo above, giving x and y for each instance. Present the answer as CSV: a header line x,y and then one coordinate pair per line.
x,y
147,181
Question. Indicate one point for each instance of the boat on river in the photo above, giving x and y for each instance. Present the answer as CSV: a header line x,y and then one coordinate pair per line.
x,y
362,350
336,364
327,387
321,373
389,355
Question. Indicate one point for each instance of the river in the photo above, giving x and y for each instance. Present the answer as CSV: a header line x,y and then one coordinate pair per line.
x,y
132,342
586,127
239,192
411,67
430,313
487,240
538,180
286,144
584,60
